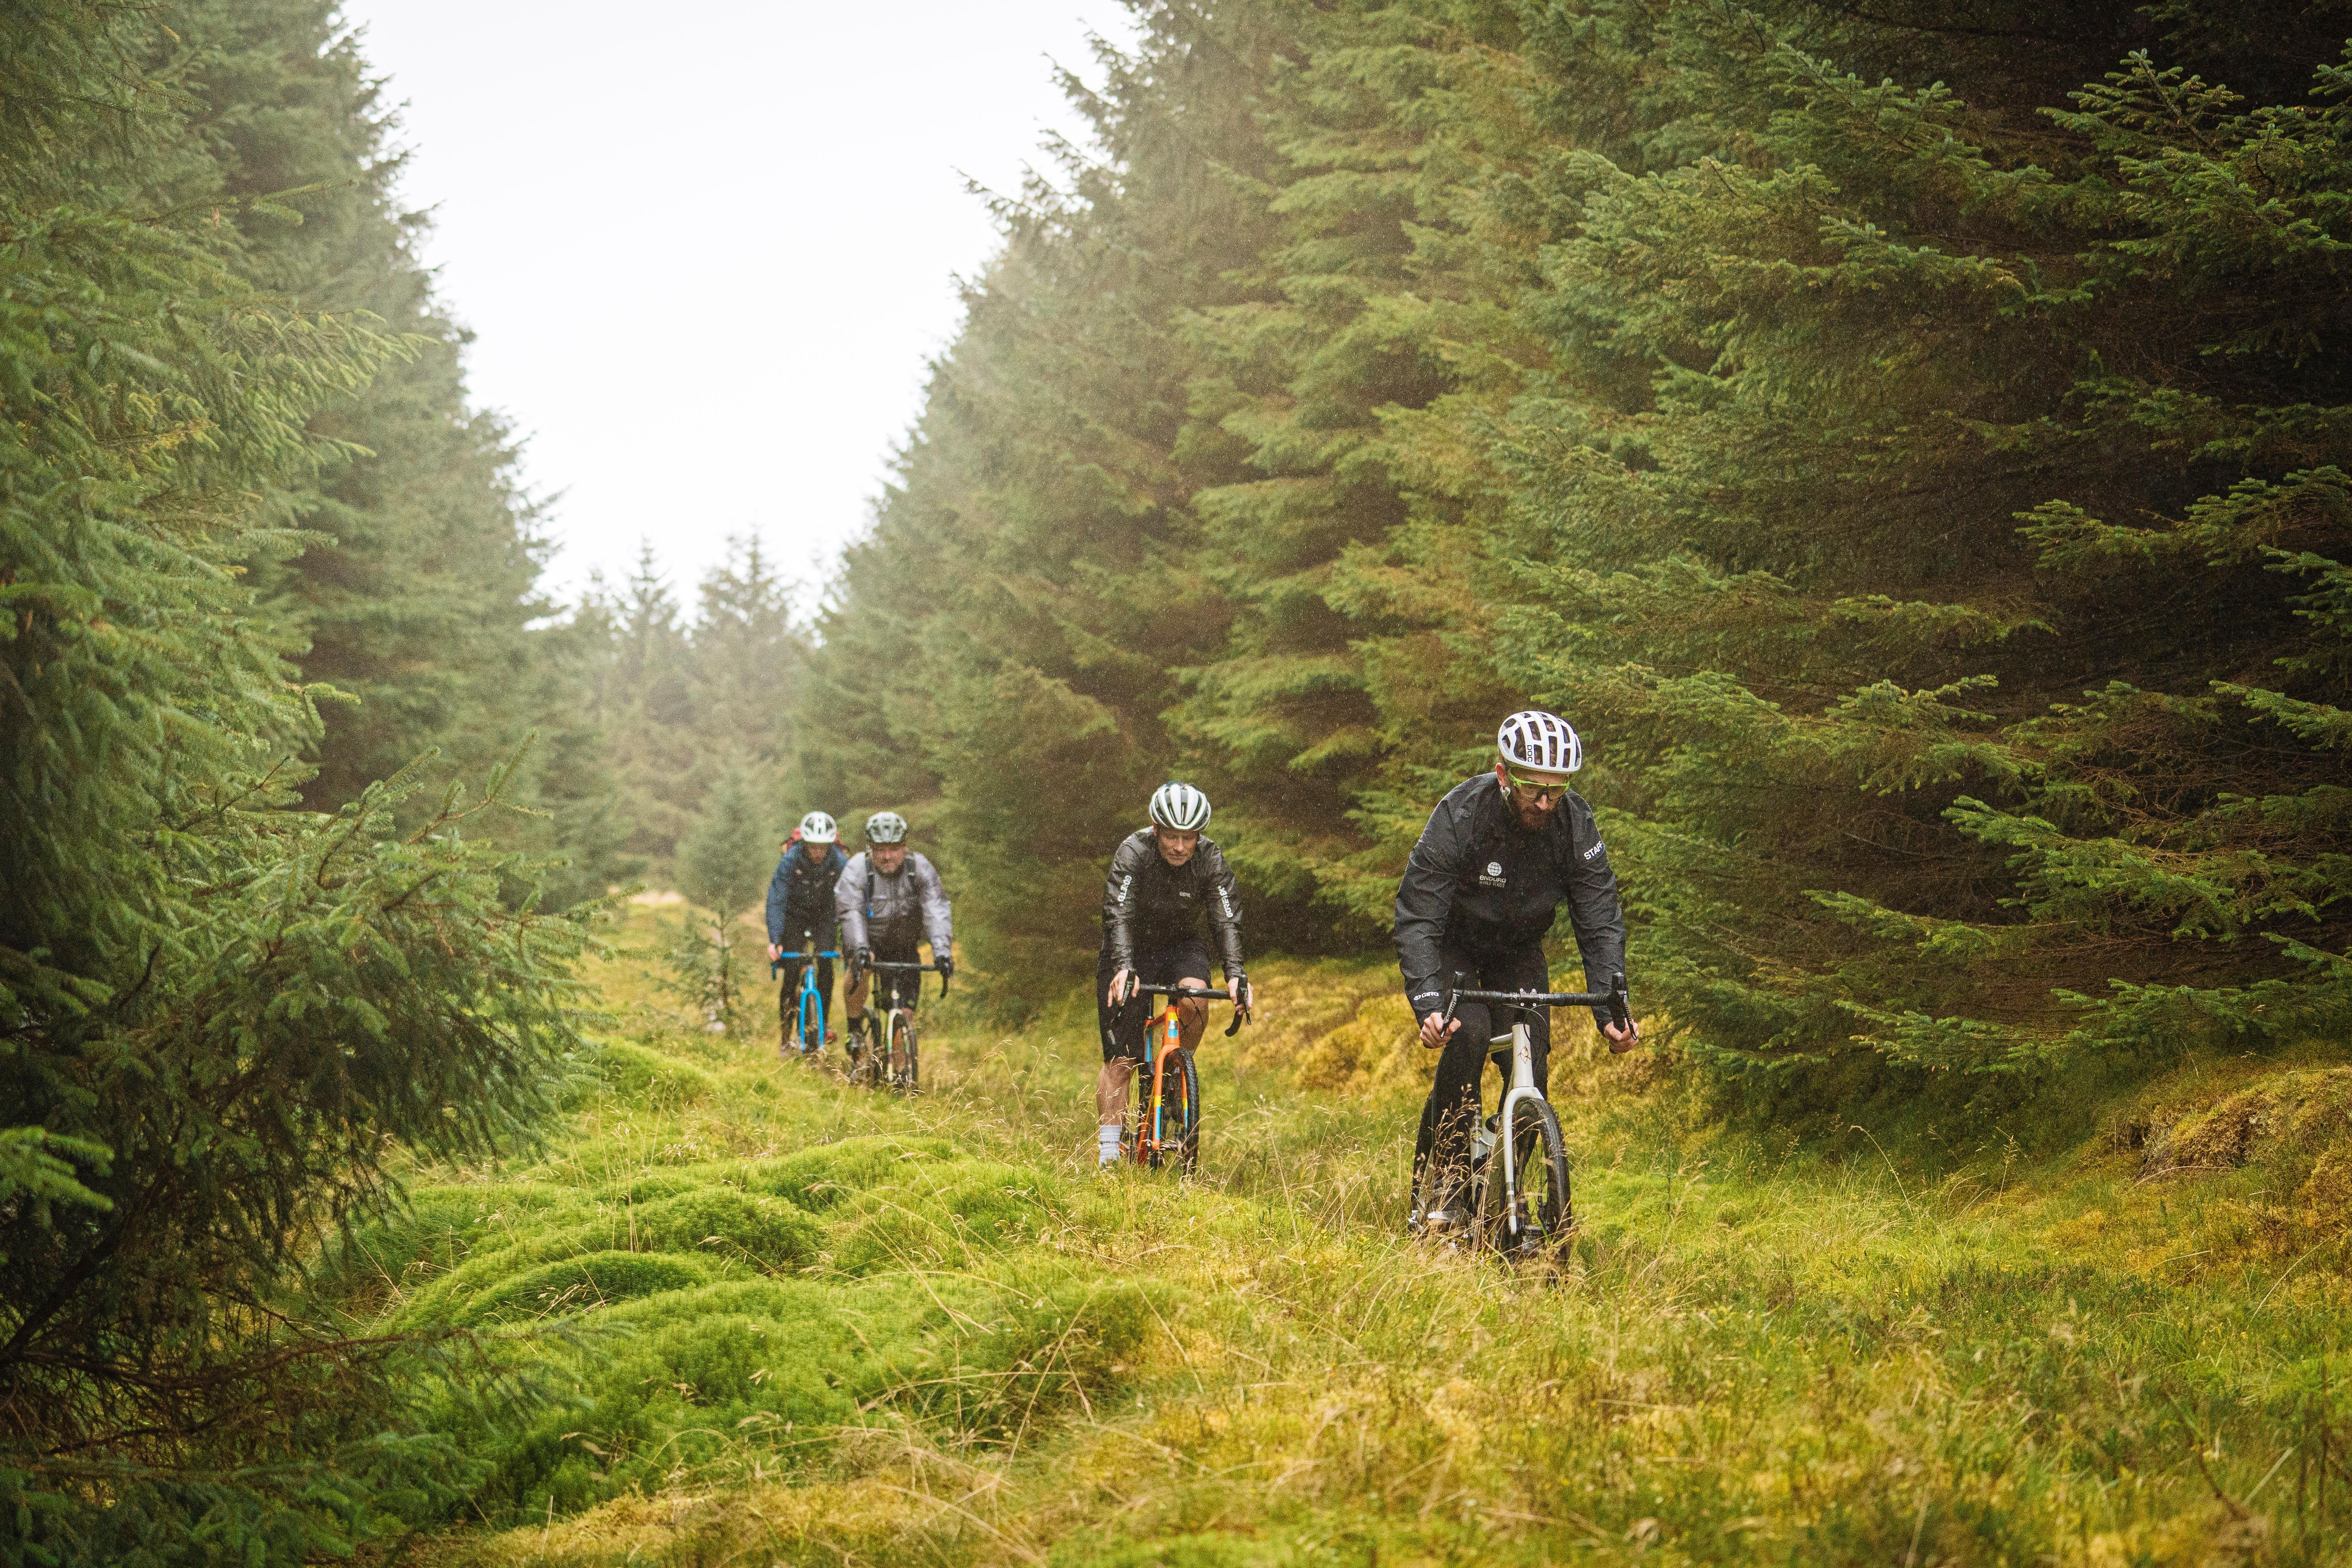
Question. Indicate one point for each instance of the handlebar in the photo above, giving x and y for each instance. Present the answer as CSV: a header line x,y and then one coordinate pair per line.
x,y
1192,993
803,955
1620,1006
932,968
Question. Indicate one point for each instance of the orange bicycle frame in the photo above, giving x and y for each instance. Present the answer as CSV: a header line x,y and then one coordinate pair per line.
x,y
1168,1020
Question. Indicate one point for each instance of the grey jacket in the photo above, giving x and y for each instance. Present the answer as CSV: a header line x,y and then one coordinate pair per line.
x,y
1479,884
1147,902
866,899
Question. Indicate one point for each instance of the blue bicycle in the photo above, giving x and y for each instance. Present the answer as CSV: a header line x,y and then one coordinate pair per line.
x,y
808,1024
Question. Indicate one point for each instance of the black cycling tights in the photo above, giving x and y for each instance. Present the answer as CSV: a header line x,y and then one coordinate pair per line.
x,y
1453,1110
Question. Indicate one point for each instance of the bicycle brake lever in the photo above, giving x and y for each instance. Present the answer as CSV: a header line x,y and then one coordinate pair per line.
x,y
1621,1005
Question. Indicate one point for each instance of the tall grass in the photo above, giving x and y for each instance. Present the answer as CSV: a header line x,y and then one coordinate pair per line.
x,y
969,1349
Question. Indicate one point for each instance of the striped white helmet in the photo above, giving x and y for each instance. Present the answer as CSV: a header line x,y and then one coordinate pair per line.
x,y
1180,808
1538,740
816,827
885,827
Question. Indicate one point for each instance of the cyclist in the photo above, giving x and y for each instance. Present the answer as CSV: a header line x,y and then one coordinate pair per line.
x,y
889,898
1501,853
1165,879
800,898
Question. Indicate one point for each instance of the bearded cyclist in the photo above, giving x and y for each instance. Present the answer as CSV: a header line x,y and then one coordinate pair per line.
x,y
800,898
889,898
1501,853
1165,881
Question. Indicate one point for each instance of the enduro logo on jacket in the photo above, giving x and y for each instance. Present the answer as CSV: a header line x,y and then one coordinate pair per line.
x,y
1492,876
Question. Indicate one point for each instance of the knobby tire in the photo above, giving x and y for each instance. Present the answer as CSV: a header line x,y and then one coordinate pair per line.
x,y
812,1023
1169,1120
865,1063
903,1068
1189,1114
1540,1156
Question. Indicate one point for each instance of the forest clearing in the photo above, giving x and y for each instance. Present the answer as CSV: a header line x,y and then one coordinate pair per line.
x,y
921,1331
1834,513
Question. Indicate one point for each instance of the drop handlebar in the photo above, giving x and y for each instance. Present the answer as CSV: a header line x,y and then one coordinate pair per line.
x,y
1192,993
1620,1006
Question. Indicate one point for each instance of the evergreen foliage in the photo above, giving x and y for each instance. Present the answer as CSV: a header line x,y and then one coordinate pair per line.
x,y
225,1021
1909,445
677,708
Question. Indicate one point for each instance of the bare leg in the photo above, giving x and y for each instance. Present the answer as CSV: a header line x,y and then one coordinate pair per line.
x,y
1191,1017
1110,1091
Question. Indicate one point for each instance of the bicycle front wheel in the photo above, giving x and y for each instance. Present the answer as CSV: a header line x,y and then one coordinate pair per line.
x,y
1184,1097
812,1023
864,1054
904,1068
1537,1216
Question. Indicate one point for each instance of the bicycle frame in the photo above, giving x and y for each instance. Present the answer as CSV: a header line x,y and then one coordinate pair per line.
x,y
808,987
1171,1016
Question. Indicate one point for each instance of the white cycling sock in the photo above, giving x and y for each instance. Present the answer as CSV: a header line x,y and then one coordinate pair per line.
x,y
1107,1138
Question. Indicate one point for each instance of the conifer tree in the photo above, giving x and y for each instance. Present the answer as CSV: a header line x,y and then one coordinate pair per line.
x,y
224,1021
1903,442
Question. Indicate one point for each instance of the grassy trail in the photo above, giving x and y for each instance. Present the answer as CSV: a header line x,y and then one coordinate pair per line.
x,y
791,1322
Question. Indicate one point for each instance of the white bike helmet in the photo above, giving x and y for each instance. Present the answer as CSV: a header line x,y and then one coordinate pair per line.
x,y
885,827
1538,740
816,827
1180,808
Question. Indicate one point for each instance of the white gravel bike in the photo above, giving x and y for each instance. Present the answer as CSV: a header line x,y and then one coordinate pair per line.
x,y
1519,1198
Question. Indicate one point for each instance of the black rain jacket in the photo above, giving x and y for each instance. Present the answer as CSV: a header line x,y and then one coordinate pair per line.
x,y
1147,902
1480,884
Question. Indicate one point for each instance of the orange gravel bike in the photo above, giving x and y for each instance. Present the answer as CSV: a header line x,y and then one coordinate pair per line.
x,y
1168,1120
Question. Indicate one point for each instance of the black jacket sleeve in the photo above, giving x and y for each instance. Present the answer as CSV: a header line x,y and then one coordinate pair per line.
x,y
1224,909
1119,899
1593,909
1426,901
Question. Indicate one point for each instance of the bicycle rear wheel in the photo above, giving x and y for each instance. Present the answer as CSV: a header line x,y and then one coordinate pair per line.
x,y
1538,1217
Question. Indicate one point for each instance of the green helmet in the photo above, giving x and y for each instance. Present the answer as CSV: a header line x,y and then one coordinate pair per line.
x,y
885,827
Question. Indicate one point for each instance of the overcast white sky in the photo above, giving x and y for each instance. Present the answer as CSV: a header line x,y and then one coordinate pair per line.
x,y
707,248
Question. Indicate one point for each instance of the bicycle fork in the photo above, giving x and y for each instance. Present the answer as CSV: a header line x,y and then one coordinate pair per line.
x,y
1523,1088
1147,1141
1145,1147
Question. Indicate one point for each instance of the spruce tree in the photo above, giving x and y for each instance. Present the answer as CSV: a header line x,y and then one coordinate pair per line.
x,y
225,1022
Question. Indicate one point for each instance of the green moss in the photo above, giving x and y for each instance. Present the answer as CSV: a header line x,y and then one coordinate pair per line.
x,y
714,1224
821,1177
633,1072
941,1215
766,1232
576,1284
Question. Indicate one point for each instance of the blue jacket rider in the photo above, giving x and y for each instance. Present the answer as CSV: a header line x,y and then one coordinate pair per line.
x,y
800,910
